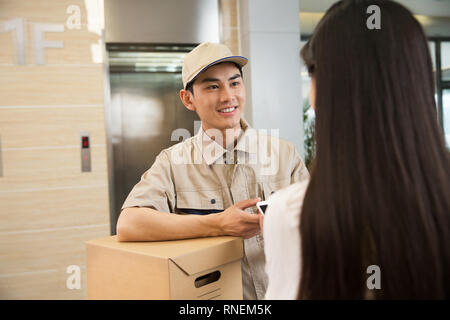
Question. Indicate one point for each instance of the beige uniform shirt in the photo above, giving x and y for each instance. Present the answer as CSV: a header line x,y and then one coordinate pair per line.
x,y
199,176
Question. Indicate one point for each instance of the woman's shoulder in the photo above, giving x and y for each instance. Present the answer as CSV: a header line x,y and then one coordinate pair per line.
x,y
292,193
288,201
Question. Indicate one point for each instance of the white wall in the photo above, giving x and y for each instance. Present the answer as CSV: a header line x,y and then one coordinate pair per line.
x,y
270,38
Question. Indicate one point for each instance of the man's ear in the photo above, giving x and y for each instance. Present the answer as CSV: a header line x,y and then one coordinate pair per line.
x,y
186,98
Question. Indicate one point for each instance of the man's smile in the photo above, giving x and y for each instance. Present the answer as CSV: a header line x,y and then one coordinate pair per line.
x,y
228,110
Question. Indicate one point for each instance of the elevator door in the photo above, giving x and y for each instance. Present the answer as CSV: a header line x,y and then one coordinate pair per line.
x,y
145,110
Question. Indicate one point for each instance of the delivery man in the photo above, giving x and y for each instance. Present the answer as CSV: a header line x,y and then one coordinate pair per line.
x,y
213,180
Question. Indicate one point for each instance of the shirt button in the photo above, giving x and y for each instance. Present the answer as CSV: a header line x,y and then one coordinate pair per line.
x,y
213,201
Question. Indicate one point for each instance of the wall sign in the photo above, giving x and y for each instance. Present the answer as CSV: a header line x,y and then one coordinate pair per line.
x,y
17,26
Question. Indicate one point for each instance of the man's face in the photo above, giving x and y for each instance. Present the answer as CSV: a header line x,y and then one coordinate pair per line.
x,y
219,97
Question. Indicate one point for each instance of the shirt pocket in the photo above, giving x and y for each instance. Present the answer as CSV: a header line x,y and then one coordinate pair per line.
x,y
270,187
199,202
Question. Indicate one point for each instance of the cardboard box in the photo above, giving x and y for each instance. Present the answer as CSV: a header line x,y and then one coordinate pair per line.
x,y
204,268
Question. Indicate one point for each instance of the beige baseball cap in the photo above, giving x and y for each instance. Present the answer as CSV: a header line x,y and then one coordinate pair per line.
x,y
204,56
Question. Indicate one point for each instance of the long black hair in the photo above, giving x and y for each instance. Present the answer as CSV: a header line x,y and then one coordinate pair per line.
x,y
379,192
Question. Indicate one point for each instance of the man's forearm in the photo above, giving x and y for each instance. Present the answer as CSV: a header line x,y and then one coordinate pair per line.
x,y
145,224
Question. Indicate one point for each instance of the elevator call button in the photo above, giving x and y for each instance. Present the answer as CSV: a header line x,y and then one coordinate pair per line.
x,y
85,142
85,152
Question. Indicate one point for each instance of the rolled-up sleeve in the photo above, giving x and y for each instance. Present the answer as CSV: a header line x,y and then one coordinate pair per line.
x,y
155,189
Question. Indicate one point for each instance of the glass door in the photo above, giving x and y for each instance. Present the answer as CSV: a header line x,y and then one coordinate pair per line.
x,y
445,85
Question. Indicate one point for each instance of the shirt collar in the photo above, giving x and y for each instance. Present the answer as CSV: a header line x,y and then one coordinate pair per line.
x,y
212,151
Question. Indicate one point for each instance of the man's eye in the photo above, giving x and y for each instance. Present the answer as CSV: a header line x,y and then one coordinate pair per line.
x,y
236,83
214,86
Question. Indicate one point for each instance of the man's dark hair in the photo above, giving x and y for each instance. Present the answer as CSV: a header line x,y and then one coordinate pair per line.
x,y
190,84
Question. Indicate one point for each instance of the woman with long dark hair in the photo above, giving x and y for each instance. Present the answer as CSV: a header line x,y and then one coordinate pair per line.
x,y
378,202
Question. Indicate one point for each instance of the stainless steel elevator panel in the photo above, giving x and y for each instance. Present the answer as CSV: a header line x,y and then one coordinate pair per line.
x,y
161,21
145,110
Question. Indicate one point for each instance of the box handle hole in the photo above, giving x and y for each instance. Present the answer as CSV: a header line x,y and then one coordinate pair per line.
x,y
207,279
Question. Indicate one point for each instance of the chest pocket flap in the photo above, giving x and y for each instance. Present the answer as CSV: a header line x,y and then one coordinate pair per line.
x,y
199,202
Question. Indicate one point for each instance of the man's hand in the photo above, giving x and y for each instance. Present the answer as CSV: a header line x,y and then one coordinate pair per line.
x,y
234,221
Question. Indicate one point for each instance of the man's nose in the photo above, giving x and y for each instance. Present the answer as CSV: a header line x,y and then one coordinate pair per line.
x,y
226,94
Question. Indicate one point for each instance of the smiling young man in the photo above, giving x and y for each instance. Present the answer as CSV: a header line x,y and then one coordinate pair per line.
x,y
213,180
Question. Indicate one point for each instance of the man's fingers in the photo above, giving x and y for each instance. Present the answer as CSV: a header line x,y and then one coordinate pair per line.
x,y
247,203
250,217
249,235
261,223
